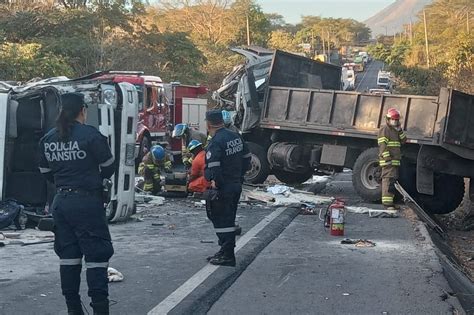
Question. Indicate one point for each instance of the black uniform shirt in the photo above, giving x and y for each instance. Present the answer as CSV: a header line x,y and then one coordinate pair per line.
x,y
80,162
227,158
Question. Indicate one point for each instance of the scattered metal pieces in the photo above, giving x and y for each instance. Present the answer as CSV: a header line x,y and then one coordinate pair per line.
x,y
346,294
305,210
172,227
358,242
157,224
207,242
36,243
12,235
383,213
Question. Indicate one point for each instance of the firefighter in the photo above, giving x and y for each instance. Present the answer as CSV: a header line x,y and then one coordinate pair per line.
x,y
77,158
390,139
151,166
228,123
227,160
186,134
197,181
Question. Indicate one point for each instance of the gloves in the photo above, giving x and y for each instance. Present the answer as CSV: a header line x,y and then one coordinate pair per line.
x,y
211,194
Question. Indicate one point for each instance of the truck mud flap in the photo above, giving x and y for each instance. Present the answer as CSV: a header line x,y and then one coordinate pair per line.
x,y
409,201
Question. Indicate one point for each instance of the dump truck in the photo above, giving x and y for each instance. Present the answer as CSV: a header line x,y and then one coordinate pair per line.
x,y
297,123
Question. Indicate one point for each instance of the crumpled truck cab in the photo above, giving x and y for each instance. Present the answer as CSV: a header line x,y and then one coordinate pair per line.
x,y
29,112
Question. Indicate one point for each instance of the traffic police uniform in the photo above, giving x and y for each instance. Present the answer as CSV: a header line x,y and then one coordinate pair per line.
x,y
227,160
77,167
390,141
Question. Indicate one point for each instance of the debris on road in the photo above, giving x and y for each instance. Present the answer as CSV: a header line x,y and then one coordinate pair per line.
x,y
289,198
383,214
26,237
305,210
278,189
358,242
114,275
157,224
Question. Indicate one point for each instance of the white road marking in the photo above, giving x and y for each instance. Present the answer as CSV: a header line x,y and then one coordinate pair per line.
x,y
198,278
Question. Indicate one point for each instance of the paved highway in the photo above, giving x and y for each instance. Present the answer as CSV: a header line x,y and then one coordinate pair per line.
x,y
368,79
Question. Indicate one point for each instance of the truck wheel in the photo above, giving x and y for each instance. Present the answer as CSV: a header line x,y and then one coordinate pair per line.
x,y
448,194
292,178
366,176
449,190
259,168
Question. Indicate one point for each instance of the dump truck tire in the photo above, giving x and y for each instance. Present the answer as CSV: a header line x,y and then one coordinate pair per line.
x,y
448,190
449,193
366,175
292,178
259,167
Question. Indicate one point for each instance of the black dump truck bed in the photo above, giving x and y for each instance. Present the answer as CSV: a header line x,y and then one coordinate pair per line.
x,y
292,103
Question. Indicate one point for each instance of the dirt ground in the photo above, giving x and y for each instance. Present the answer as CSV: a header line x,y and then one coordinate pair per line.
x,y
461,240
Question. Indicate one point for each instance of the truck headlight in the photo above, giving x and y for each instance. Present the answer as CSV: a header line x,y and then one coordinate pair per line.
x,y
109,96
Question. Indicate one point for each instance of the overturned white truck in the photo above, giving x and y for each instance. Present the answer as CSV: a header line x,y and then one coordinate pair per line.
x,y
28,112
297,121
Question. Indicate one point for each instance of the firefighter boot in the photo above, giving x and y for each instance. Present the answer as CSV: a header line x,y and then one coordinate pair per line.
x,y
226,259
101,308
218,254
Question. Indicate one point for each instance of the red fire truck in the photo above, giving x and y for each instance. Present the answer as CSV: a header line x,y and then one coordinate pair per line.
x,y
161,106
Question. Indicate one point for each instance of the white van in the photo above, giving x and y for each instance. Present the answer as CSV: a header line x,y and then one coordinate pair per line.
x,y
348,79
28,112
383,79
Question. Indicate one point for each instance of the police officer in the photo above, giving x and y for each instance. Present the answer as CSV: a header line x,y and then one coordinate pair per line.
x,y
227,160
77,158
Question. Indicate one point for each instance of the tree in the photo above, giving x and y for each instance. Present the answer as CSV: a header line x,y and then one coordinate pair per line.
x,y
282,40
22,62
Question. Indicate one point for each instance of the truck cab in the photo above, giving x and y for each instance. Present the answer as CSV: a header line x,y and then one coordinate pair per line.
x,y
29,112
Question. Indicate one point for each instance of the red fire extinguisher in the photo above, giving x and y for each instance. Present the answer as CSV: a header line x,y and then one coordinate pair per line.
x,y
335,218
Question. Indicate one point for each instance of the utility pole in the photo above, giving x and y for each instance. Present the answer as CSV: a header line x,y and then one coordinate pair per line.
x,y
248,30
467,22
324,47
426,41
411,32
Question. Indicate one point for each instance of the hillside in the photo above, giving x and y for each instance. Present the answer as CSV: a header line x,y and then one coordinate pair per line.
x,y
391,19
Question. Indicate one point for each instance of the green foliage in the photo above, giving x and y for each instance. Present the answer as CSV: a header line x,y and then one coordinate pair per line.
x,y
282,40
22,62
451,50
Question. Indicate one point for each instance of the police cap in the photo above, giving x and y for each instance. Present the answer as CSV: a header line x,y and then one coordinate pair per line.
x,y
214,117
73,101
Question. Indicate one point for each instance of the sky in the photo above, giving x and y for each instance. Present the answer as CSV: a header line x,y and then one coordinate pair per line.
x,y
292,10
